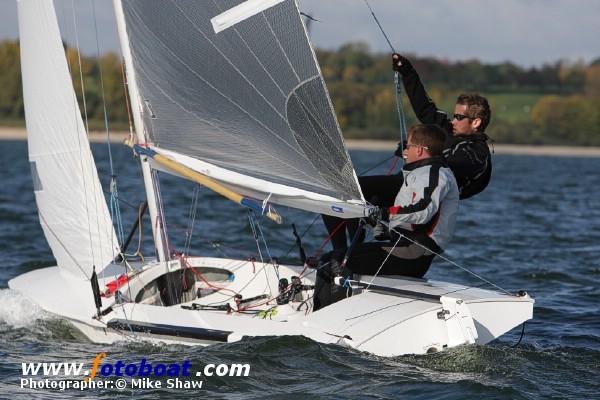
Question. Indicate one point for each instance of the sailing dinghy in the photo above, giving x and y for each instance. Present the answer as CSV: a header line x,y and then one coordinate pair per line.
x,y
227,94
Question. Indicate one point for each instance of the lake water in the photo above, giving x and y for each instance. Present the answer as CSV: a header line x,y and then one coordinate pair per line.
x,y
537,227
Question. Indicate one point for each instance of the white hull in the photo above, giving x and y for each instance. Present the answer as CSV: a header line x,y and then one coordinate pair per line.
x,y
394,316
303,149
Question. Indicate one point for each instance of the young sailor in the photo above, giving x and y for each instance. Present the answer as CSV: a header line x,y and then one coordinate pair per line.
x,y
422,219
465,150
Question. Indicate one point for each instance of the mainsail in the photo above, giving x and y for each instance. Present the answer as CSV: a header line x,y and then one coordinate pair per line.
x,y
247,106
72,208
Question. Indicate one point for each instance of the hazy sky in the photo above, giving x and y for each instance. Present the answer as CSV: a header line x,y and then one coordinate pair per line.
x,y
527,32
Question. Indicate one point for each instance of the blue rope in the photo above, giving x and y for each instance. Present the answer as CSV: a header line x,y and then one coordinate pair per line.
x,y
115,210
346,283
110,158
400,109
397,83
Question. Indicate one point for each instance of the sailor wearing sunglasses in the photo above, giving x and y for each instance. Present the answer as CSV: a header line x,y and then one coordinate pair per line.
x,y
466,150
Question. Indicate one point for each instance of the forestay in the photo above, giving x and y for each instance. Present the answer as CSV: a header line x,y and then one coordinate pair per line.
x,y
249,100
72,208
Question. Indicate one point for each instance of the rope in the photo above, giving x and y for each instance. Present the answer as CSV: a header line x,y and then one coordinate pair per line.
x,y
253,223
285,291
255,235
161,228
138,252
115,210
184,260
301,236
126,92
369,169
110,158
400,109
191,220
397,83
161,223
235,294
406,302
384,261
85,113
262,236
248,283
128,204
521,337
328,238
217,246
450,261
273,262
391,169
402,320
132,337
380,27
287,253
76,35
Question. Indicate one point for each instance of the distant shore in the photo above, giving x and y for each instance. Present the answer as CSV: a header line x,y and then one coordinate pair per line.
x,y
514,149
10,133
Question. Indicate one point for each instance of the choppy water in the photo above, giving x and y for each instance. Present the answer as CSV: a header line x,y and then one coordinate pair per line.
x,y
537,227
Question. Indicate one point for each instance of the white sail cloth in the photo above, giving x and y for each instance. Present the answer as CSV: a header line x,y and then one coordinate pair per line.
x,y
249,99
72,207
260,189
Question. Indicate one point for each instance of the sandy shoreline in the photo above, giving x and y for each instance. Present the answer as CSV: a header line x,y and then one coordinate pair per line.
x,y
10,133
515,149
16,133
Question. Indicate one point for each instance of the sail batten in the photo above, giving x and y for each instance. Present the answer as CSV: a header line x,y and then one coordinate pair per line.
x,y
249,99
241,12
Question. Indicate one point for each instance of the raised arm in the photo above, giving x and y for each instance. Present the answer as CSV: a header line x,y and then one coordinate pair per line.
x,y
424,108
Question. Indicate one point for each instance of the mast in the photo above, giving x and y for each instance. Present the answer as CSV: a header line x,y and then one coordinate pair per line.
x,y
137,110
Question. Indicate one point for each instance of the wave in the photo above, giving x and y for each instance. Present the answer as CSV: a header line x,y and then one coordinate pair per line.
x,y
18,311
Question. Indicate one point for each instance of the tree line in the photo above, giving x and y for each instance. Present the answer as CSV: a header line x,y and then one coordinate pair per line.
x,y
556,103
86,75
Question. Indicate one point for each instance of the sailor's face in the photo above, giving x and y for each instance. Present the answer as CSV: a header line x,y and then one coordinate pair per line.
x,y
412,152
462,123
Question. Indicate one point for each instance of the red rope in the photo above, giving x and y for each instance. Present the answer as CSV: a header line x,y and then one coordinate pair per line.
x,y
301,275
393,165
328,238
199,275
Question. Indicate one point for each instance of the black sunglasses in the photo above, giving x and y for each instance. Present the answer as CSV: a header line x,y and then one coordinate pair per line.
x,y
460,117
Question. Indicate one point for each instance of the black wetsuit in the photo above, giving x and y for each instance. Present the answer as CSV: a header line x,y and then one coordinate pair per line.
x,y
468,156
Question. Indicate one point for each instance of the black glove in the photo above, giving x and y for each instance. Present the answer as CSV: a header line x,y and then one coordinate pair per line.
x,y
401,147
400,63
378,214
